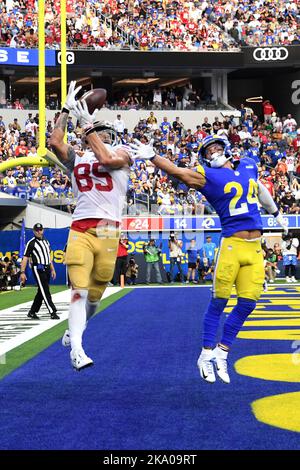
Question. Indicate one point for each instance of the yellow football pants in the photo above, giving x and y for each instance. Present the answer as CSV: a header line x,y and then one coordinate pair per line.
x,y
239,262
91,261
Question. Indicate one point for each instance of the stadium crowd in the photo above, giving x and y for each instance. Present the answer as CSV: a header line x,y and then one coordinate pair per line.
x,y
170,25
178,97
273,142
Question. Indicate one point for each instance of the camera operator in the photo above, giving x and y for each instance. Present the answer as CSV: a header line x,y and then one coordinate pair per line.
x,y
175,247
3,278
132,271
289,248
10,272
152,255
270,265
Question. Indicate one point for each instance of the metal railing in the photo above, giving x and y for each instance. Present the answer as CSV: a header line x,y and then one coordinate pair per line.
x,y
142,203
114,27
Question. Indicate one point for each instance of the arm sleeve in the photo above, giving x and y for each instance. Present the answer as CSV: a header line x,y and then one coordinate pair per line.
x,y
266,199
29,249
70,163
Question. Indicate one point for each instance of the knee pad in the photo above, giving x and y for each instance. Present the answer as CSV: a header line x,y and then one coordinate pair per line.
x,y
79,277
104,273
224,279
96,291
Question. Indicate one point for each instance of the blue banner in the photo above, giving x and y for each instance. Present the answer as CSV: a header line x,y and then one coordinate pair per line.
x,y
10,56
10,243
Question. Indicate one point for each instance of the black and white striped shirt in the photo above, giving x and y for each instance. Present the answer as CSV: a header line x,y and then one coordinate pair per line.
x,y
39,251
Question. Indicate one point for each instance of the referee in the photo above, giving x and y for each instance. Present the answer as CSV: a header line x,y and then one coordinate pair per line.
x,y
38,249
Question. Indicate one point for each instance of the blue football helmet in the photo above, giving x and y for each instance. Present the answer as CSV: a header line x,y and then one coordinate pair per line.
x,y
217,160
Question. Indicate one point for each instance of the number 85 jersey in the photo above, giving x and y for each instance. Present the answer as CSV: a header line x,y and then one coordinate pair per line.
x,y
233,194
100,190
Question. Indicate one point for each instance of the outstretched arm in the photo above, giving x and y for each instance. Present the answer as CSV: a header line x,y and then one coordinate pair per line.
x,y
63,151
189,177
269,205
266,199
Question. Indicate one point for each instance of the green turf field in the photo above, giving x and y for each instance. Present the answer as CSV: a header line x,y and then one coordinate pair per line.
x,y
18,356
13,297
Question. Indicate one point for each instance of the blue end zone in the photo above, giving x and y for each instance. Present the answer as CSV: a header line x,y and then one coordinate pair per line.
x,y
144,391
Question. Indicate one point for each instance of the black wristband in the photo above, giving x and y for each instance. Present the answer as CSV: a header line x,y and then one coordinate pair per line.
x,y
22,272
275,214
90,131
65,110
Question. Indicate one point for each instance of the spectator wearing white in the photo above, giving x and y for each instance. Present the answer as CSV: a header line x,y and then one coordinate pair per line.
x,y
157,98
222,132
31,126
176,255
119,124
9,180
290,163
32,152
289,123
289,249
188,90
244,134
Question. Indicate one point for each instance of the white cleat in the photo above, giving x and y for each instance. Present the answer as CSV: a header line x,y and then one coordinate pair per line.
x,y
206,368
293,279
66,340
79,359
220,360
288,279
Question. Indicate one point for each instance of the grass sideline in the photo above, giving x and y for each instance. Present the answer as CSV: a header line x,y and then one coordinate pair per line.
x,y
18,356
13,297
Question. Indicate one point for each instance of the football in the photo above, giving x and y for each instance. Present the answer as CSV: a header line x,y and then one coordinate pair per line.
x,y
94,98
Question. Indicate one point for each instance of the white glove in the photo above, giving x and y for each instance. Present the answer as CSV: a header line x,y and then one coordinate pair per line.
x,y
83,115
70,102
142,151
283,223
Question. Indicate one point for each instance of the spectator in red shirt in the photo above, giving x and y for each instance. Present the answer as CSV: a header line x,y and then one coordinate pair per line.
x,y
121,263
17,104
296,142
269,185
268,109
21,149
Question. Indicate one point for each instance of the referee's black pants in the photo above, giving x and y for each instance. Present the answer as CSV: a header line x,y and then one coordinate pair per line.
x,y
42,277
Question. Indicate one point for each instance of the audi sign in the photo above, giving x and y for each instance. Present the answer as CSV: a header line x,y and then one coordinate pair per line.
x,y
267,54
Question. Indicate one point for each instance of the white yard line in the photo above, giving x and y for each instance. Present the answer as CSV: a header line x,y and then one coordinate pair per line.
x,y
16,328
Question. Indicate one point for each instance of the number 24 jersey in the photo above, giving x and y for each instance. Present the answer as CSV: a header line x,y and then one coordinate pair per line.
x,y
233,194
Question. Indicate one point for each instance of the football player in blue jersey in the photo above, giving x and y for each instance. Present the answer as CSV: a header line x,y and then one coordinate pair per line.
x,y
234,192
